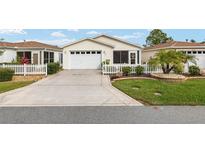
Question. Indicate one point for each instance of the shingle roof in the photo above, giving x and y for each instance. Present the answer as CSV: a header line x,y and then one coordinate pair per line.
x,y
28,44
175,45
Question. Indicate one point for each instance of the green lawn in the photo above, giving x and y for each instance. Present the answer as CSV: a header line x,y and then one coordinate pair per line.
x,y
190,92
6,86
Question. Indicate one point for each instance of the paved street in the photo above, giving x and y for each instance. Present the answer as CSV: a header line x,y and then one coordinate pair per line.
x,y
103,115
69,88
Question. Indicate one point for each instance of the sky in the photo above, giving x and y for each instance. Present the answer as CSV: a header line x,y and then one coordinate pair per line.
x,y
61,37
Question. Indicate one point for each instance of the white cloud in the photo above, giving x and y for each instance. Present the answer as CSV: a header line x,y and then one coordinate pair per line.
x,y
135,35
93,33
59,42
58,34
73,30
12,31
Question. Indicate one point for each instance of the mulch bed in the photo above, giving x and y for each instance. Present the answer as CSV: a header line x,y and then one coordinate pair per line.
x,y
28,78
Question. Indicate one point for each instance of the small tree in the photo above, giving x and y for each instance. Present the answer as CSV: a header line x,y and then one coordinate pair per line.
x,y
192,40
157,36
169,59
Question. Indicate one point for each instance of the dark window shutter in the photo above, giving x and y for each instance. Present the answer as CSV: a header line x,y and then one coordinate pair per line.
x,y
138,56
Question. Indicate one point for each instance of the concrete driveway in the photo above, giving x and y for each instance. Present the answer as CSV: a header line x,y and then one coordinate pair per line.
x,y
70,88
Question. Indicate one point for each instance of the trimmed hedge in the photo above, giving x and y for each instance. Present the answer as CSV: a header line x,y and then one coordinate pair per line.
x,y
53,68
194,70
126,70
6,74
139,70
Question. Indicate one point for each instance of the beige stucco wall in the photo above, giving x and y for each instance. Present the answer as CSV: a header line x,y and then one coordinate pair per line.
x,y
8,55
146,55
118,45
86,45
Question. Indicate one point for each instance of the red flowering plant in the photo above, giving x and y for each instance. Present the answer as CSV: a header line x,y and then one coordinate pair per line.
x,y
24,60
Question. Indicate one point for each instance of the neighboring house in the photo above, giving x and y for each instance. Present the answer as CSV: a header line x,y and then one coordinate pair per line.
x,y
196,49
36,52
90,53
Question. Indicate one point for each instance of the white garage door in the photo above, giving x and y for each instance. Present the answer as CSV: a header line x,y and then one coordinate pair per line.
x,y
201,61
85,59
200,58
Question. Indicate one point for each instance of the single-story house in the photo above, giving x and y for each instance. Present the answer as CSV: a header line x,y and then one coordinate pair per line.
x,y
90,53
196,49
35,52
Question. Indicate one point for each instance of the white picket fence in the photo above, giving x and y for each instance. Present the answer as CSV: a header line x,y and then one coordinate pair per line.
x,y
26,69
117,68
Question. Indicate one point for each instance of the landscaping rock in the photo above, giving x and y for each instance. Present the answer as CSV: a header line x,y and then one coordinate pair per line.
x,y
169,77
135,88
158,94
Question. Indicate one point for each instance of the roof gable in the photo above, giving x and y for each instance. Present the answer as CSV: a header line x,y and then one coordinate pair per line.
x,y
117,39
87,39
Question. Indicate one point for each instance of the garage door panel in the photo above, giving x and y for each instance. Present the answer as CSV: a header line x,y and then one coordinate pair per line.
x,y
85,61
200,61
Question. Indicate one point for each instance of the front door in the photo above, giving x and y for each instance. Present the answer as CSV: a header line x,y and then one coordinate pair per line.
x,y
35,58
132,58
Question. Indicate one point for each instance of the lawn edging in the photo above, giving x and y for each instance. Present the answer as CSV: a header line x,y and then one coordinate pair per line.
x,y
132,78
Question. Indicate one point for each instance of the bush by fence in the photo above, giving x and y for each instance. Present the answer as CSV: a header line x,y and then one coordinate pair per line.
x,y
53,68
139,70
126,70
6,74
194,70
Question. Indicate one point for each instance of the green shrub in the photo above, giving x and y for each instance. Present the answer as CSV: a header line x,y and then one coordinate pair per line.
x,y
107,62
126,70
6,74
178,69
53,68
194,70
139,70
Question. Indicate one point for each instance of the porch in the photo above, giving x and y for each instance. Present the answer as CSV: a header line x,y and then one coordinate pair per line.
x,y
39,57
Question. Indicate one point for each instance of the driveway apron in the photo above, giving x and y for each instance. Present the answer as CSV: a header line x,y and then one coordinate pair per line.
x,y
69,88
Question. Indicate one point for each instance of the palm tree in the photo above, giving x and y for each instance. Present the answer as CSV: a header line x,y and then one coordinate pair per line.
x,y
169,59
